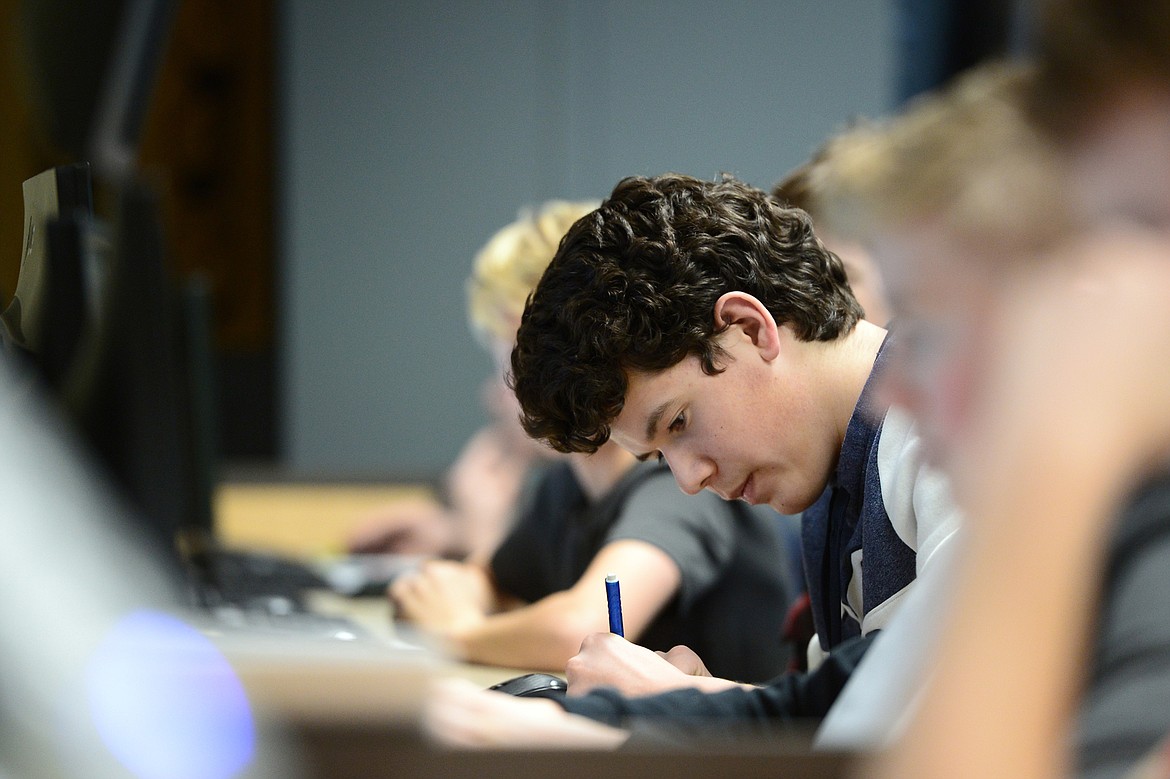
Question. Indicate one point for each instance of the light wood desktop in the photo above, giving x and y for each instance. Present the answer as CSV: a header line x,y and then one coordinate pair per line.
x,y
300,519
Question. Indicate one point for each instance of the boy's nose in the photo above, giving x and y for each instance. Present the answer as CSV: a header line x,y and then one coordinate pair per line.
x,y
692,473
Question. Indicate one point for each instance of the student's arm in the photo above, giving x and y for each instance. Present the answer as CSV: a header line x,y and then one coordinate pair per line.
x,y
788,697
461,714
545,634
1010,661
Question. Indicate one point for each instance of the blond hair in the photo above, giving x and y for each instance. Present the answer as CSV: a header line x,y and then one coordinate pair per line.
x,y
509,265
965,156
803,187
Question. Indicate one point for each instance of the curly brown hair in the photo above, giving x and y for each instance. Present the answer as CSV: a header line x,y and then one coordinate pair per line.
x,y
633,287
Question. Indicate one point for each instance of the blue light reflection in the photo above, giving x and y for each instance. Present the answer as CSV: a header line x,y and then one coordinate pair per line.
x,y
166,703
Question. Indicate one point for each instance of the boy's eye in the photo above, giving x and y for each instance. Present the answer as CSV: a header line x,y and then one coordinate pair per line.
x,y
678,424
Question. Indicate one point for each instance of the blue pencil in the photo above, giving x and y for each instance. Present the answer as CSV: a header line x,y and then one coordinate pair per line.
x,y
613,596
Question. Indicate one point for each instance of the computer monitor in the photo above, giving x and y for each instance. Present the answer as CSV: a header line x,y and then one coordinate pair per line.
x,y
50,308
141,395
141,386
94,68
129,391
109,338
64,316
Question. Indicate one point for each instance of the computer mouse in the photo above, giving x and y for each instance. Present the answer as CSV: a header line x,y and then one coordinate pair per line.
x,y
535,685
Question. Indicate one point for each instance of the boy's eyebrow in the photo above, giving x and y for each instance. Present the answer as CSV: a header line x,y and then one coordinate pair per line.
x,y
653,420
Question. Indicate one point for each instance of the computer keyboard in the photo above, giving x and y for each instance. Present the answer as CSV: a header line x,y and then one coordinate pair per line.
x,y
256,581
298,624
265,594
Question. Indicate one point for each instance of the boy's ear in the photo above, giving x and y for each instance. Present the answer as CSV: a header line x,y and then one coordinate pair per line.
x,y
746,312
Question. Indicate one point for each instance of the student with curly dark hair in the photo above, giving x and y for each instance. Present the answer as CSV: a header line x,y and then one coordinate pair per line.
x,y
636,285
704,324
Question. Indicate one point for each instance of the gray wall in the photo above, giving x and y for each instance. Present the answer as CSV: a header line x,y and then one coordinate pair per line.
x,y
414,130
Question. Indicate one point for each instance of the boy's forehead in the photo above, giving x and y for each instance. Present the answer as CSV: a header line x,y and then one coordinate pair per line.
x,y
644,388
641,385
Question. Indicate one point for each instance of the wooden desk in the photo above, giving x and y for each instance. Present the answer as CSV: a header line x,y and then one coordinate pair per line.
x,y
302,520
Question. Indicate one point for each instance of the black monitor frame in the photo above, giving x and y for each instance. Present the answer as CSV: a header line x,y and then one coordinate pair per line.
x,y
42,308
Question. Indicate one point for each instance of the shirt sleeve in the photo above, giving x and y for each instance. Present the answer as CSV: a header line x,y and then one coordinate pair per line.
x,y
788,699
1124,712
695,531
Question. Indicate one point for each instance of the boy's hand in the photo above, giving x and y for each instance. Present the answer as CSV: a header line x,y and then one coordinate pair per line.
x,y
411,526
443,597
608,660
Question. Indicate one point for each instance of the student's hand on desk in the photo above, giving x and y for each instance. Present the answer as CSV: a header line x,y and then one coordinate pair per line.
x,y
461,714
411,526
443,597
608,660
